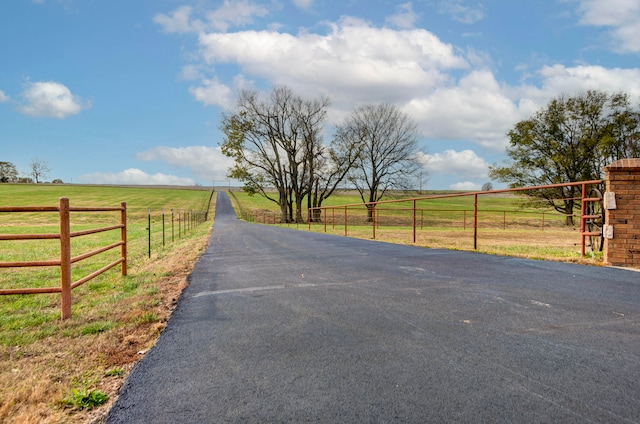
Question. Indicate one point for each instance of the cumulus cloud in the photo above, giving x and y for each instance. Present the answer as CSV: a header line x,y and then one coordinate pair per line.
x,y
348,61
559,79
135,176
178,21
207,163
3,97
230,14
405,18
465,186
212,92
476,108
461,12
466,164
303,4
622,17
452,93
51,99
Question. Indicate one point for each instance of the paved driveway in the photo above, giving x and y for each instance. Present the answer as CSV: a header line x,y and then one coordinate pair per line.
x,y
285,326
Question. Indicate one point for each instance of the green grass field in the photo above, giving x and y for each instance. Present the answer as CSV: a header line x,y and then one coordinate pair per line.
x,y
507,224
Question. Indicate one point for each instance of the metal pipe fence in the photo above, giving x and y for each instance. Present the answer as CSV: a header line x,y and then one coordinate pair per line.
x,y
413,214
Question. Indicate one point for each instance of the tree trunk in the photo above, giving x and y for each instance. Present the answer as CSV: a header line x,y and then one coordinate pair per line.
x,y
299,210
568,210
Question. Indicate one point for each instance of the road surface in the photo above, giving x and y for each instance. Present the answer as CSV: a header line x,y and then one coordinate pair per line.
x,y
280,325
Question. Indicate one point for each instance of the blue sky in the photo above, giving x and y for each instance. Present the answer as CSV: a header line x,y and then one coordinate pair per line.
x,y
132,91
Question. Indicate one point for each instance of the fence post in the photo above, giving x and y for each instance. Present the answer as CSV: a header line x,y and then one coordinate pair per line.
x,y
65,258
325,220
123,238
373,219
162,227
149,229
475,221
582,220
345,220
414,221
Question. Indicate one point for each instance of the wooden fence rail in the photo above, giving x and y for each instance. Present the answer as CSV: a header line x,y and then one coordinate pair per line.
x,y
66,260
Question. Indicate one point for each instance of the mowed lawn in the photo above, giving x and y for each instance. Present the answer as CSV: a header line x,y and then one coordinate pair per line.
x,y
63,371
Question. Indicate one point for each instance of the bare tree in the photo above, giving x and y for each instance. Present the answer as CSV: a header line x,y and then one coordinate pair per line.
x,y
39,169
273,142
387,139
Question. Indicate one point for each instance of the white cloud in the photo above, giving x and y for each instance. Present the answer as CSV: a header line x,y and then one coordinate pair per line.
x,y
3,97
349,61
465,186
179,21
236,13
213,93
51,99
303,4
135,176
461,12
405,18
476,108
558,79
452,93
207,163
622,17
466,164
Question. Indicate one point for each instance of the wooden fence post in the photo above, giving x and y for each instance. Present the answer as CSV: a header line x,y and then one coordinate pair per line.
x,y
65,258
123,238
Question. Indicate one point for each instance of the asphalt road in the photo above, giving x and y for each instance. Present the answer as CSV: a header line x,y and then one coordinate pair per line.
x,y
281,326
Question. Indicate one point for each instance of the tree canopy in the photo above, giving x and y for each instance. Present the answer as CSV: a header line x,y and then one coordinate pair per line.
x,y
8,172
570,140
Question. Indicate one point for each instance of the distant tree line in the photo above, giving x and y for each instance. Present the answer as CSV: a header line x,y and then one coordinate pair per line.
x,y
276,142
39,170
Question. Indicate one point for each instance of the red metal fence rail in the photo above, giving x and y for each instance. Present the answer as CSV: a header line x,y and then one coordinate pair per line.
x,y
418,213
66,260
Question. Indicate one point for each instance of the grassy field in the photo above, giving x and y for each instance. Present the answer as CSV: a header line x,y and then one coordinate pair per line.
x,y
70,371
506,224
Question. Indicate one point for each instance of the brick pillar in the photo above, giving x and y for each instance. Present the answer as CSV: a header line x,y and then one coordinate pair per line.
x,y
623,180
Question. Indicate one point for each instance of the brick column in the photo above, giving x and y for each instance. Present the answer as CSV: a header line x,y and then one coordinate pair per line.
x,y
623,180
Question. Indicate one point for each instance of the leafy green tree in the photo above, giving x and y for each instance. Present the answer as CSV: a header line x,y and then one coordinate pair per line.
x,y
569,141
487,186
8,172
